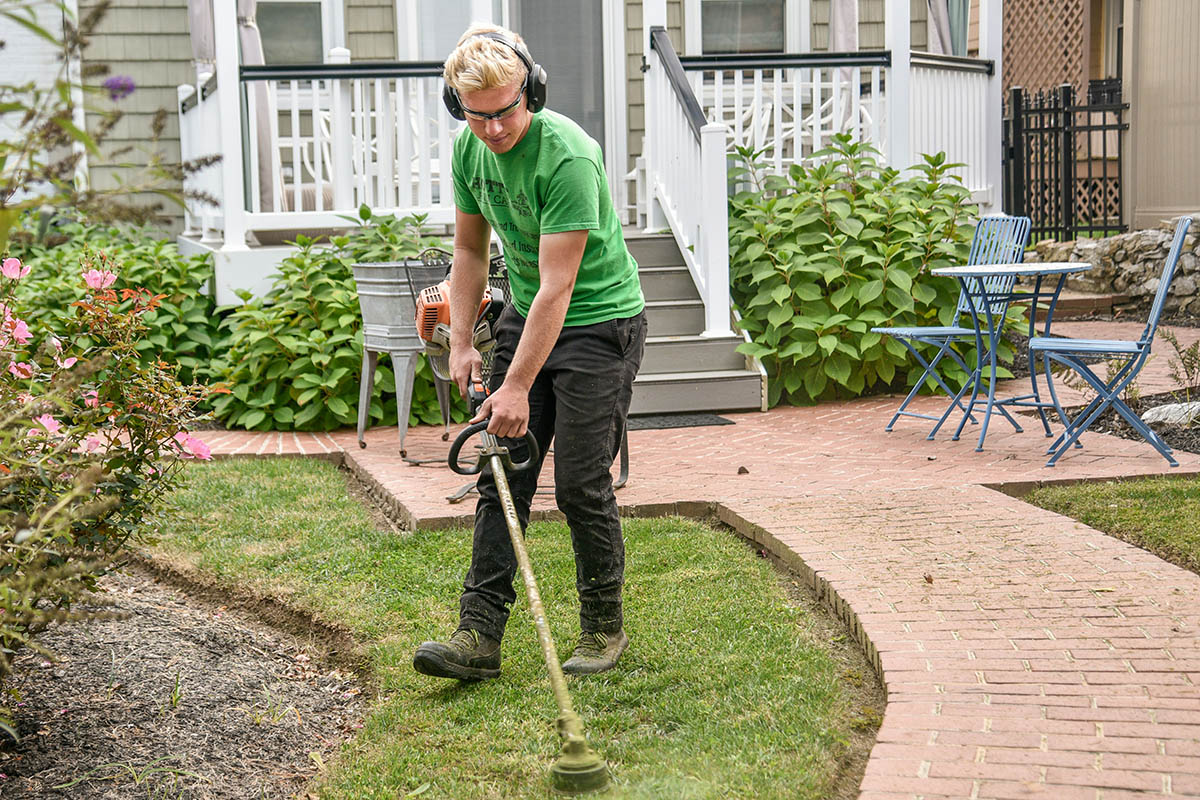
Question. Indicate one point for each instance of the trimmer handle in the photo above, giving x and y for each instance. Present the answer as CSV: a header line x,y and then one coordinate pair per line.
x,y
476,394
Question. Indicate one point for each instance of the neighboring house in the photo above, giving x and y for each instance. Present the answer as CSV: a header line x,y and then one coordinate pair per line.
x,y
1150,47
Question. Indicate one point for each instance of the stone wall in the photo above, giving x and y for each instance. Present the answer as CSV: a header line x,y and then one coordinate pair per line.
x,y
1130,264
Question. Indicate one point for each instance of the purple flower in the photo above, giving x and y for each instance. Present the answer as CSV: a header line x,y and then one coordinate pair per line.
x,y
118,86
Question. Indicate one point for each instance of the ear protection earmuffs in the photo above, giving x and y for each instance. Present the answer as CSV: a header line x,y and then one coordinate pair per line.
x,y
535,79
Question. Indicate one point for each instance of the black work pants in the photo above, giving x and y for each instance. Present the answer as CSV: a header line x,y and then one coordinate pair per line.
x,y
579,400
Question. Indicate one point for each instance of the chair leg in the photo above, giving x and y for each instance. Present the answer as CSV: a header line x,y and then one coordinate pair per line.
x,y
365,390
930,372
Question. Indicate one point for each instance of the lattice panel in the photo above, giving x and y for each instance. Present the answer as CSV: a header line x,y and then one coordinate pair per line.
x,y
1099,200
1044,43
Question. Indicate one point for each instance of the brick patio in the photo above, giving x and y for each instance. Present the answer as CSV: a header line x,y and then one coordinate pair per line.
x,y
1045,659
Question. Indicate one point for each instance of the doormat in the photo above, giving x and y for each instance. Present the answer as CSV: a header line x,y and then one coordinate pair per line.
x,y
659,421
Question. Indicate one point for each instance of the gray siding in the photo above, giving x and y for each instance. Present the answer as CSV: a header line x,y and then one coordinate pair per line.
x,y
371,30
149,44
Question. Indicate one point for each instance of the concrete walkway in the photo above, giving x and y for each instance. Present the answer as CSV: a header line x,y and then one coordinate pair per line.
x,y
1024,654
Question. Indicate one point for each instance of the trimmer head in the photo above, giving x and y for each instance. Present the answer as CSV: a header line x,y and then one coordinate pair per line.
x,y
578,769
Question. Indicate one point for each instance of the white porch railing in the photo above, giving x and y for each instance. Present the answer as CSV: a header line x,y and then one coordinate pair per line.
x,y
790,106
686,180
198,132
949,102
320,140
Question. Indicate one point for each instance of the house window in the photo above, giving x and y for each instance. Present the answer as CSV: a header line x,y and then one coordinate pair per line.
x,y
292,31
742,26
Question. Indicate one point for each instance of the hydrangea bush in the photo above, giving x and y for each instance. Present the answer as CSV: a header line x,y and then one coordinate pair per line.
x,y
91,435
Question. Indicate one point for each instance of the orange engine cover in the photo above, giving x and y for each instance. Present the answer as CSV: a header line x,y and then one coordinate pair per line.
x,y
433,306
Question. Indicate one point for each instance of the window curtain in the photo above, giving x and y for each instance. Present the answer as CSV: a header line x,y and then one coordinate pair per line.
x,y
937,26
200,30
258,97
947,25
843,26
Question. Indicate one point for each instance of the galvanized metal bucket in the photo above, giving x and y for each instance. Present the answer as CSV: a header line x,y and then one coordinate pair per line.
x,y
387,296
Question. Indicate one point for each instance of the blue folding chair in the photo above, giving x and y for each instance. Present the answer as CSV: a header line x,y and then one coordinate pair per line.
x,y
1075,353
997,240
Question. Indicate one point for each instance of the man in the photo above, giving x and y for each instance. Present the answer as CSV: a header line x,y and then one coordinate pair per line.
x,y
568,345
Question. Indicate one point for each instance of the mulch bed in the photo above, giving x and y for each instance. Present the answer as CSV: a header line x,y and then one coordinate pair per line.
x,y
184,699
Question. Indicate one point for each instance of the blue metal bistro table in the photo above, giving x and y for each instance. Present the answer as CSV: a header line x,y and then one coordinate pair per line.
x,y
989,289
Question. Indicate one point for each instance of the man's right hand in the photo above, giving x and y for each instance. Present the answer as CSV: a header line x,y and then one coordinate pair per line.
x,y
466,364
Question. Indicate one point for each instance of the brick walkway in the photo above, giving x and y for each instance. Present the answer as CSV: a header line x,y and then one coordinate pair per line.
x,y
1039,658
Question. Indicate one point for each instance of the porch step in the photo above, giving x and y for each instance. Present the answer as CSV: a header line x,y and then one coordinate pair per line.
x,y
678,392
653,249
674,317
668,283
697,353
1081,304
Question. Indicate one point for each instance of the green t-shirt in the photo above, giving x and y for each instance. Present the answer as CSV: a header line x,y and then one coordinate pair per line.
x,y
551,181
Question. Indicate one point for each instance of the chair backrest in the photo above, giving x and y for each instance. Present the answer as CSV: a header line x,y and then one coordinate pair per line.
x,y
1164,283
997,240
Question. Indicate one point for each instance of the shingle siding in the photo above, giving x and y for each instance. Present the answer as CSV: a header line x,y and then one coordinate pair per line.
x,y
371,30
148,41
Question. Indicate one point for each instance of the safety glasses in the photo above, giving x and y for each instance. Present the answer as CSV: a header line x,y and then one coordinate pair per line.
x,y
499,114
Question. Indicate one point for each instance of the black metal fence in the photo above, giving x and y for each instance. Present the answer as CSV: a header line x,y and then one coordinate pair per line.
x,y
1062,160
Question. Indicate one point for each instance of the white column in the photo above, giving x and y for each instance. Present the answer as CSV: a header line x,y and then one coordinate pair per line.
x,y
991,46
654,14
898,39
714,227
342,168
229,93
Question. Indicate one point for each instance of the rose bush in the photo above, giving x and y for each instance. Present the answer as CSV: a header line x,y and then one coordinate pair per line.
x,y
91,436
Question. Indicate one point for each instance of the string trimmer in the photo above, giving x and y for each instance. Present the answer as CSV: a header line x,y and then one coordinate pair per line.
x,y
578,767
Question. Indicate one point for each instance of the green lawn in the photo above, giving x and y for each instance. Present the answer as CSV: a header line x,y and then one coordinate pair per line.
x,y
726,690
1157,514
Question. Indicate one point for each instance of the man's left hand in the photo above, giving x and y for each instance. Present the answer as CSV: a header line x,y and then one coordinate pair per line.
x,y
508,408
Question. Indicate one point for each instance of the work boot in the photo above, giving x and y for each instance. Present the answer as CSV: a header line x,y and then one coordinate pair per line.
x,y
596,652
468,656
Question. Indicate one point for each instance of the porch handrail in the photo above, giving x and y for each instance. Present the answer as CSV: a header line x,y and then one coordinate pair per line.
x,y
356,69
686,179
962,63
661,43
862,58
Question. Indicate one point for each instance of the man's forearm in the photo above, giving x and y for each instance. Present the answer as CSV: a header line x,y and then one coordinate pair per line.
x,y
545,322
468,279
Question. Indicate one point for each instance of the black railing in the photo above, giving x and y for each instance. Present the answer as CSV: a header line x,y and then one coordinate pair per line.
x,y
660,42
863,58
1062,160
959,63
194,98
357,69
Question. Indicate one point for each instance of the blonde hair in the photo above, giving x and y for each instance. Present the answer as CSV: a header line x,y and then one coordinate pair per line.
x,y
479,63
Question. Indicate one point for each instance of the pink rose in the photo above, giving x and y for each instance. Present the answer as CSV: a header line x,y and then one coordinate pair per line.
x,y
92,443
91,399
48,422
20,369
65,363
191,447
20,331
25,398
13,269
99,279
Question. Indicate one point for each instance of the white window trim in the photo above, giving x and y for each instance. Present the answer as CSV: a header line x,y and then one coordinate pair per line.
x,y
407,43
797,15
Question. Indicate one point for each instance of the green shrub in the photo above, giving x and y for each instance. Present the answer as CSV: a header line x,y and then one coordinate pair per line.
x,y
88,431
181,330
294,357
820,256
